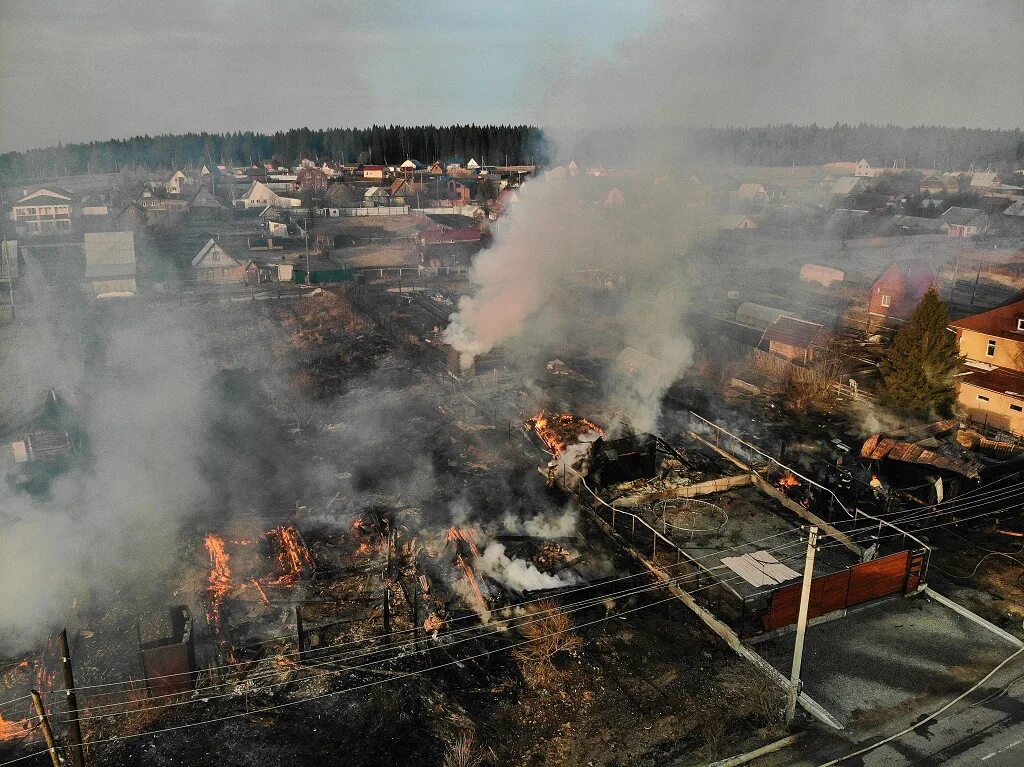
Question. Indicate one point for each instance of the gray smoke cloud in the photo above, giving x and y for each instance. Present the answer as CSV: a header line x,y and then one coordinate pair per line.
x,y
112,518
598,265
166,436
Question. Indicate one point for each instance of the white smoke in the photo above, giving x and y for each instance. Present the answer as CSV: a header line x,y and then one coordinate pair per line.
x,y
518,574
590,266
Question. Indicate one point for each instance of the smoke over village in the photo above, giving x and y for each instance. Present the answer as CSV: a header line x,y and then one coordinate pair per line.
x,y
591,384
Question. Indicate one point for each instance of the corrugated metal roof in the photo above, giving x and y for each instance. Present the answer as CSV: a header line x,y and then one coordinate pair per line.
x,y
963,216
109,254
794,332
878,447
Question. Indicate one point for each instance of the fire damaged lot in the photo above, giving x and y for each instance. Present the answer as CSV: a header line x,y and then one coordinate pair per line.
x,y
293,536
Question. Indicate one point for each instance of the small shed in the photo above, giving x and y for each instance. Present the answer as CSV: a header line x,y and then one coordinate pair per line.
x,y
822,275
759,316
110,263
965,222
900,289
794,339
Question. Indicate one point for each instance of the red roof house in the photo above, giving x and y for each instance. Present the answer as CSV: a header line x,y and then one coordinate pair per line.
x,y
900,289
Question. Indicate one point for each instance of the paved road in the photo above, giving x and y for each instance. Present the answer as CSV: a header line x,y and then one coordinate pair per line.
x,y
986,728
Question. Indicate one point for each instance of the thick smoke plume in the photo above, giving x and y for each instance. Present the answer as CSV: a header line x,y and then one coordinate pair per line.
x,y
165,438
518,574
596,267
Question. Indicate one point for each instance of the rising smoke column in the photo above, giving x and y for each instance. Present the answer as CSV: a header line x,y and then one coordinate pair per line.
x,y
573,272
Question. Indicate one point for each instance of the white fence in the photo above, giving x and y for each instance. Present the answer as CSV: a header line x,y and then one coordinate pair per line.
x,y
391,210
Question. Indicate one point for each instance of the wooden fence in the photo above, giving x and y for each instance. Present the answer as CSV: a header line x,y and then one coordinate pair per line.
x,y
897,573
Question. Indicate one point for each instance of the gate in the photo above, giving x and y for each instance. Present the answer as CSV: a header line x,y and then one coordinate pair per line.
x,y
897,573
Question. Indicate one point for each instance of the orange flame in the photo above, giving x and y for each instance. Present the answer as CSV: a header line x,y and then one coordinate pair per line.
x,y
558,431
292,555
14,729
220,577
466,535
788,480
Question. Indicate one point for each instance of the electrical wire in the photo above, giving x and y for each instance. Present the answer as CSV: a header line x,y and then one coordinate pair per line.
x,y
536,617
928,718
333,648
464,618
457,661
246,673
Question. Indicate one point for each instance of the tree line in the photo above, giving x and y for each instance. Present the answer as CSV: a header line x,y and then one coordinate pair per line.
x,y
943,149
378,144
773,145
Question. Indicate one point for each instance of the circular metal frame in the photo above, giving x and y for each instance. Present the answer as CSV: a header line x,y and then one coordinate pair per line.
x,y
683,515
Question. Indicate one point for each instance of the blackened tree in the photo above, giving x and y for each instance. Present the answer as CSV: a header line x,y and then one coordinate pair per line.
x,y
918,369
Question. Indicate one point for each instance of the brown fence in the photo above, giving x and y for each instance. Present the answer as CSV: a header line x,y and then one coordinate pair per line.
x,y
895,574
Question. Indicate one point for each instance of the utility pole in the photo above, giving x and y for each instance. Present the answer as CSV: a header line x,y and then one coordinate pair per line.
x,y
976,281
305,232
75,731
5,268
44,725
299,632
801,625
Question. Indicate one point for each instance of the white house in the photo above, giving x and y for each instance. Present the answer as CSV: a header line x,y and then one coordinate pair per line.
x,y
43,211
176,183
863,169
213,264
473,164
259,195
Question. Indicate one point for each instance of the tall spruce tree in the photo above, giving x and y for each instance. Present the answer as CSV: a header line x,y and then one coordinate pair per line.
x,y
918,369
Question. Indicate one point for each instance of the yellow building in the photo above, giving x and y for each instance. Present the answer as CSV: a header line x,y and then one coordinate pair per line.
x,y
991,386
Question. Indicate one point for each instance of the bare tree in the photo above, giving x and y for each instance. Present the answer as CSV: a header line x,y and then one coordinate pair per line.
x,y
549,632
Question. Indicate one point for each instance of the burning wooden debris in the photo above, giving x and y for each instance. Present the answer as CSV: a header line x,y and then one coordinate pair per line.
x,y
14,729
787,481
220,579
558,431
922,446
292,562
293,558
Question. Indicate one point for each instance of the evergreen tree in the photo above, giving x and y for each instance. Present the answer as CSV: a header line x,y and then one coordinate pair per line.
x,y
918,369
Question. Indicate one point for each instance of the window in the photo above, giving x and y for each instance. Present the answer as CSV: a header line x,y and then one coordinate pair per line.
x,y
982,398
1017,408
991,350
886,301
1020,323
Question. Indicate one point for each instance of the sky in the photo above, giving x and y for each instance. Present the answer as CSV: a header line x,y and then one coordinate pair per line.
x,y
99,69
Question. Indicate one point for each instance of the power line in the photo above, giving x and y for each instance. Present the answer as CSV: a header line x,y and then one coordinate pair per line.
x,y
468,617
367,685
571,608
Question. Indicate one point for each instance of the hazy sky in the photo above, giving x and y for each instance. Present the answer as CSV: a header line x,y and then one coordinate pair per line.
x,y
106,68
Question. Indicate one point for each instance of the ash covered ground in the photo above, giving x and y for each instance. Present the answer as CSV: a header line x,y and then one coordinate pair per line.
x,y
334,467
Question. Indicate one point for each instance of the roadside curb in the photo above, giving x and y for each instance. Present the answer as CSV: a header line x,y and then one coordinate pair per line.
x,y
768,748
973,616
